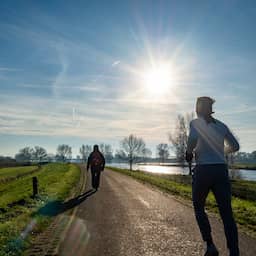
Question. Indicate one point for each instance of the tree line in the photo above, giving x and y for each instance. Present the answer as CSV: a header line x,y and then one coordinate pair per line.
x,y
132,149
63,153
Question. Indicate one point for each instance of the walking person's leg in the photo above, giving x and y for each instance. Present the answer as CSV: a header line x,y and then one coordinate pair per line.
x,y
97,179
222,193
93,178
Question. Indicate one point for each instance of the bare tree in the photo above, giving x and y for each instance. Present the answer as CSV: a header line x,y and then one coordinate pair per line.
x,y
24,155
107,151
146,154
39,153
64,152
51,157
133,148
85,150
233,173
120,156
163,151
253,155
78,158
179,137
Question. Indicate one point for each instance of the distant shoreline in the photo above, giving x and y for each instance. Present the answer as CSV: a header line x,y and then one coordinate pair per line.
x,y
244,166
164,164
235,166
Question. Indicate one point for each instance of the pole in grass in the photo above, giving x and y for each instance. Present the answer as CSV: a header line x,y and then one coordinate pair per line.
x,y
35,186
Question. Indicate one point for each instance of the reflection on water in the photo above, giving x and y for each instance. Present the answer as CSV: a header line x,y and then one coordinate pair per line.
x,y
163,169
246,174
153,168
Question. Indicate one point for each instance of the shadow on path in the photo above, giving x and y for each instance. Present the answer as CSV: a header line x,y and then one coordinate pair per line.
x,y
56,207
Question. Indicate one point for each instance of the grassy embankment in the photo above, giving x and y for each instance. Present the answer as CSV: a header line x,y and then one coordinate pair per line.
x,y
11,173
246,166
243,202
17,208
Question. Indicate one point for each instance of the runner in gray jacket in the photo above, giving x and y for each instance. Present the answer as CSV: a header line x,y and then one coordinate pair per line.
x,y
210,139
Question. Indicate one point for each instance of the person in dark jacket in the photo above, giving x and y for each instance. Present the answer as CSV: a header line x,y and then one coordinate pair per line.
x,y
210,139
96,162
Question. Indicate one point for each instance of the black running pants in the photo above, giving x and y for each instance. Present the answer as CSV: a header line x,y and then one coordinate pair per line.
x,y
214,177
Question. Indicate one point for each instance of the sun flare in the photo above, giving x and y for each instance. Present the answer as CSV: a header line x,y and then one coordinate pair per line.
x,y
158,79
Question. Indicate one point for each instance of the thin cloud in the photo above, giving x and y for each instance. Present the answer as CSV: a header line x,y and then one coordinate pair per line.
x,y
115,63
63,87
8,69
79,120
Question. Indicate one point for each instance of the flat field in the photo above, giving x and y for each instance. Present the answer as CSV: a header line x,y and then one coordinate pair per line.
x,y
7,174
18,208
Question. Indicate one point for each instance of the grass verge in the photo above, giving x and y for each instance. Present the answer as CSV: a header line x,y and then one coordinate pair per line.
x,y
11,173
245,166
18,211
180,185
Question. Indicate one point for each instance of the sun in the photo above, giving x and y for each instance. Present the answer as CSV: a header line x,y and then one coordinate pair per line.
x,y
158,79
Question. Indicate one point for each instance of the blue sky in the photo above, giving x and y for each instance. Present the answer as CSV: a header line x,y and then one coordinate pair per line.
x,y
71,72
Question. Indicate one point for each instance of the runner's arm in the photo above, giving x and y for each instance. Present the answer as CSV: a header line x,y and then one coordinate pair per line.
x,y
232,143
192,139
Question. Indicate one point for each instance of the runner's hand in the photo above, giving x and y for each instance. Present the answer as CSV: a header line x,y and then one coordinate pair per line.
x,y
189,157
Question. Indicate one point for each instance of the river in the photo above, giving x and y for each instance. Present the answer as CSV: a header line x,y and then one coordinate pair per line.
x,y
245,174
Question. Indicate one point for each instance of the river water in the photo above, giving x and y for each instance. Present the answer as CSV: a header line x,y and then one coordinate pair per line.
x,y
245,174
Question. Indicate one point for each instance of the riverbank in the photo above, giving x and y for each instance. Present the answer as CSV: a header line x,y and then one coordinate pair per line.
x,y
247,175
247,166
164,164
244,166
243,201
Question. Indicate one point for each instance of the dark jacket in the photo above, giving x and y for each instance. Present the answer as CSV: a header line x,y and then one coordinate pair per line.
x,y
90,164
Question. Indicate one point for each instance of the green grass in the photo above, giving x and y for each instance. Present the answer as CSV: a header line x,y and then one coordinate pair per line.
x,y
17,207
240,188
244,189
246,166
7,174
180,185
